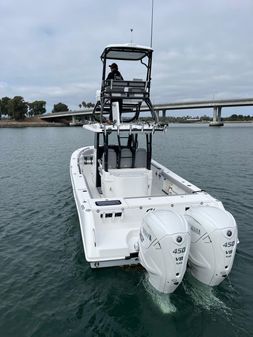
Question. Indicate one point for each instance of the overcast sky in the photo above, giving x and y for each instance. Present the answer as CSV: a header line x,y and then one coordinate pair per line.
x,y
50,49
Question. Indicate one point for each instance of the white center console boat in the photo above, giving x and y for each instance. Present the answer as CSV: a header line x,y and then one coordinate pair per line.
x,y
134,210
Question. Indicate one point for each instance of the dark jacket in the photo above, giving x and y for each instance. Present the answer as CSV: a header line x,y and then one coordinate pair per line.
x,y
114,75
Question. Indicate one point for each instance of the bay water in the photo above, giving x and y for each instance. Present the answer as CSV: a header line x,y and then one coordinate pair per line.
x,y
46,286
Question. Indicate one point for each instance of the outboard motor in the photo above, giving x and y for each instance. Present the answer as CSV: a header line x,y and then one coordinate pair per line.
x,y
164,246
214,239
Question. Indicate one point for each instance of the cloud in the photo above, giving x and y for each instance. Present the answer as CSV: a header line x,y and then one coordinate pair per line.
x,y
51,50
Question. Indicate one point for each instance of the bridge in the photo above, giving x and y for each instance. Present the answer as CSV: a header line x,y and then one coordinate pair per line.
x,y
216,105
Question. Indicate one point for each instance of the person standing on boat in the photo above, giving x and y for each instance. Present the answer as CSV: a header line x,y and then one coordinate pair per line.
x,y
114,74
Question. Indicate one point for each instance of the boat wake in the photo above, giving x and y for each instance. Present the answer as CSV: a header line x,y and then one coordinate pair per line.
x,y
162,301
204,296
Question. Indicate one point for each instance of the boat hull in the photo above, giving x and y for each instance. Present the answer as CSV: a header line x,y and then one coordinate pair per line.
x,y
110,226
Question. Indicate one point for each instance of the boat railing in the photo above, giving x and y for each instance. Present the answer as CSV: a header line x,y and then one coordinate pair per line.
x,y
134,89
130,95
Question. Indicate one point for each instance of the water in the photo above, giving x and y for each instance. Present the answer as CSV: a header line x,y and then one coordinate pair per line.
x,y
46,286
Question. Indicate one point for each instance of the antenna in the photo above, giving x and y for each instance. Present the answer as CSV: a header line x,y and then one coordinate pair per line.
x,y
131,35
152,20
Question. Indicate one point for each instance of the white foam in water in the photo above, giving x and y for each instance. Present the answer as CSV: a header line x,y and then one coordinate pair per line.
x,y
203,295
162,301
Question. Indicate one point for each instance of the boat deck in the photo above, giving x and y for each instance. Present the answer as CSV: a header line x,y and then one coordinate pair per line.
x,y
96,193
164,181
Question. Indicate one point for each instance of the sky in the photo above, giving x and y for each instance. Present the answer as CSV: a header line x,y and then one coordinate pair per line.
x,y
50,50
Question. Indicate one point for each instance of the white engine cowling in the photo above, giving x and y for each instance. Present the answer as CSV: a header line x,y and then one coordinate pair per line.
x,y
164,246
214,239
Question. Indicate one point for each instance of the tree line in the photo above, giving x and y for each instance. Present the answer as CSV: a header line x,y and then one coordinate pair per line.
x,y
17,108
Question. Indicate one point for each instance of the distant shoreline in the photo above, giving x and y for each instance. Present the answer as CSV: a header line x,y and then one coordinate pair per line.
x,y
32,122
207,122
29,122
19,125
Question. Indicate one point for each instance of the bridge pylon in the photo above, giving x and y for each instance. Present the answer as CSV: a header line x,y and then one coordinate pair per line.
x,y
163,113
216,117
